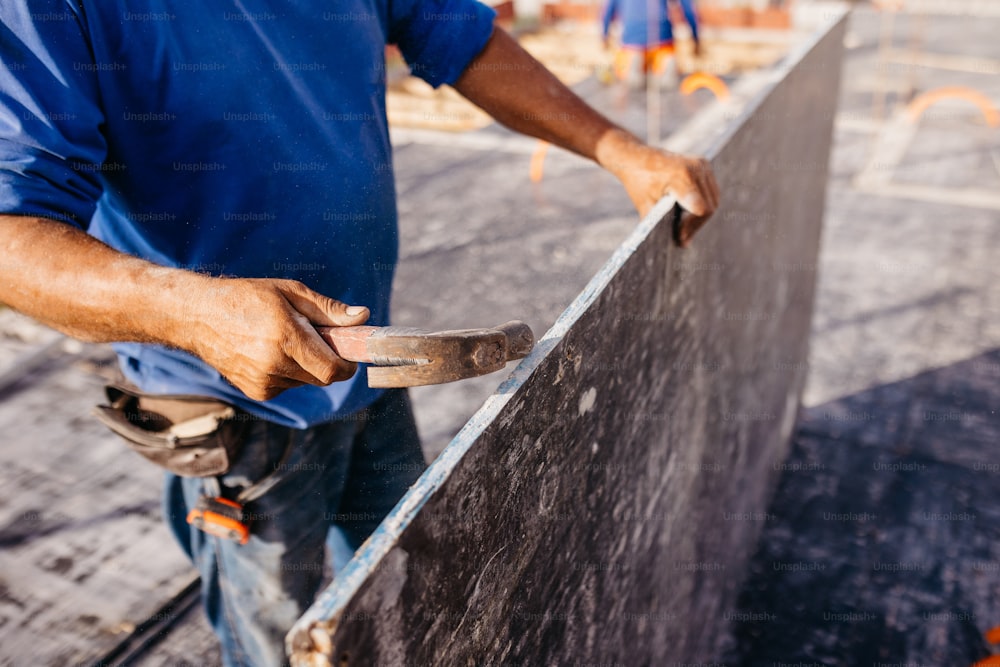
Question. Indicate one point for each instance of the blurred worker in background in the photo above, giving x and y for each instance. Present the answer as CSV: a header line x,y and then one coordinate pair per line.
x,y
647,39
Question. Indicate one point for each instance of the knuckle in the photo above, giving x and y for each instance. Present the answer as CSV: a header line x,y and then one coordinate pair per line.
x,y
286,286
269,359
330,305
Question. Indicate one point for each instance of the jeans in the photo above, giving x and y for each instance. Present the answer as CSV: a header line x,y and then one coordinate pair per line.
x,y
344,475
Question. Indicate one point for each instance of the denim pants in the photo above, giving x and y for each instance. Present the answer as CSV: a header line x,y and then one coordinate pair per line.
x,y
344,475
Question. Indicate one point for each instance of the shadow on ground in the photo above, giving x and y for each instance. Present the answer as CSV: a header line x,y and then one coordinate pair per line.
x,y
882,545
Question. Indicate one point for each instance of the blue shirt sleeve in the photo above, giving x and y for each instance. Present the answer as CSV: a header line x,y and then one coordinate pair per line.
x,y
439,38
51,146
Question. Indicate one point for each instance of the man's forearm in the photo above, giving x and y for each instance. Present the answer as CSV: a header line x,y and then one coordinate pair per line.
x,y
258,333
518,91
72,282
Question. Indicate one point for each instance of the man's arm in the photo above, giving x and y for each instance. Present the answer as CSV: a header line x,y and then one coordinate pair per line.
x,y
517,90
258,333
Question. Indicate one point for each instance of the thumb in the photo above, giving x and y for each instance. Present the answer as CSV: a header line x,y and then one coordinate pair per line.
x,y
322,310
691,201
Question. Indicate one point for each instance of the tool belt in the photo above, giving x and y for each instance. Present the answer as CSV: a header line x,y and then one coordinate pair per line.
x,y
191,436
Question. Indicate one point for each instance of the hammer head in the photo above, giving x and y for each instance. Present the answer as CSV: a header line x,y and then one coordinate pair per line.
x,y
405,357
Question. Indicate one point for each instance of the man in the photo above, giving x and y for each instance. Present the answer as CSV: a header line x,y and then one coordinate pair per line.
x,y
647,39
203,184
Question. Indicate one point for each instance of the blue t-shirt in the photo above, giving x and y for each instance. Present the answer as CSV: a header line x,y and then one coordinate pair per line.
x,y
645,23
233,137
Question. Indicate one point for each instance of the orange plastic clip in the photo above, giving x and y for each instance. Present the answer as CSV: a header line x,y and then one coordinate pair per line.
x,y
220,517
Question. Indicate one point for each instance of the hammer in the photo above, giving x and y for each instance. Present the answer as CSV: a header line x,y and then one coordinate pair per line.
x,y
406,357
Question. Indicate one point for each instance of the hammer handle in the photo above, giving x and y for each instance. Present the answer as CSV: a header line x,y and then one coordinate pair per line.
x,y
350,343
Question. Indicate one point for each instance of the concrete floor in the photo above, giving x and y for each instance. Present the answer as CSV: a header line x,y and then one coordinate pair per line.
x,y
879,545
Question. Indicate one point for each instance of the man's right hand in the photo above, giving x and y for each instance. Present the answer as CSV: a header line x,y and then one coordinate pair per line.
x,y
260,334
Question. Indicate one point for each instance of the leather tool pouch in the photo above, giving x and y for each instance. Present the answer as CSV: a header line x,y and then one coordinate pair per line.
x,y
191,436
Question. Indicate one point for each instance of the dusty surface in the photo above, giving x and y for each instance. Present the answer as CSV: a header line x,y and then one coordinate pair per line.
x,y
907,322
881,545
84,555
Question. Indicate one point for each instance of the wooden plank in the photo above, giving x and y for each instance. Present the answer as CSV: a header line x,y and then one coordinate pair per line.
x,y
603,503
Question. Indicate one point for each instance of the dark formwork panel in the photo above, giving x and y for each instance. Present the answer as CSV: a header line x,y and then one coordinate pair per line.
x,y
602,507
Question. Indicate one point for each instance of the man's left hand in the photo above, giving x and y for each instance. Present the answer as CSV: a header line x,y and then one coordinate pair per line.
x,y
649,174
517,90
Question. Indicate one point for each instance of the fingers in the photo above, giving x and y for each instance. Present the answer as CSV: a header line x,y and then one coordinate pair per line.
x,y
702,197
322,310
689,224
304,344
315,356
699,202
261,335
693,201
298,360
